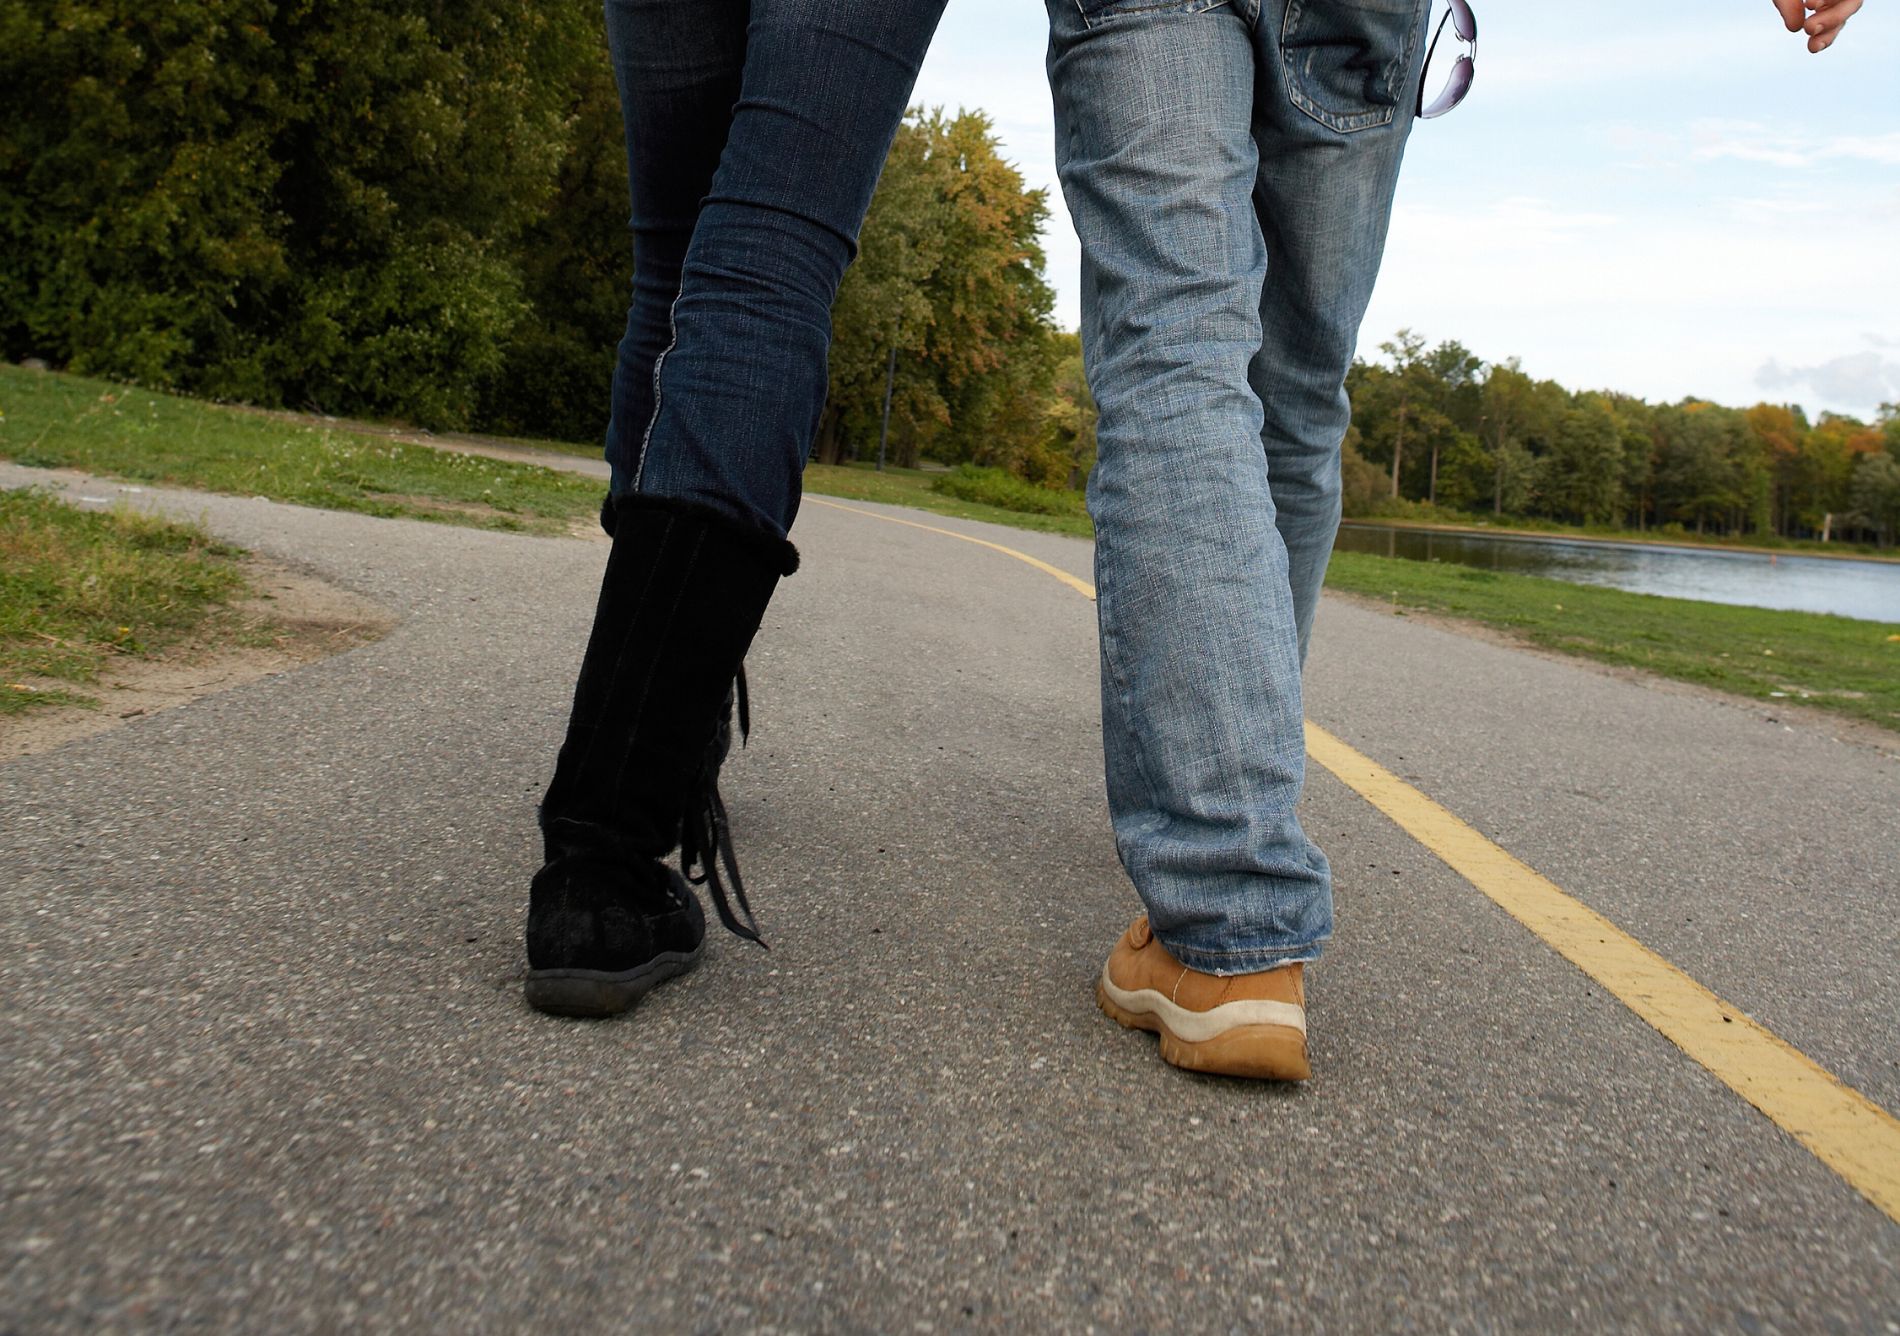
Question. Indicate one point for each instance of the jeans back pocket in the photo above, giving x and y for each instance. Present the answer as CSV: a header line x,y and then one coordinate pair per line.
x,y
1347,62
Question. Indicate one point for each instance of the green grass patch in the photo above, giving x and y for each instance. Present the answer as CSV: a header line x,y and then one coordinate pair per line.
x,y
995,487
51,420
79,588
1837,664
917,488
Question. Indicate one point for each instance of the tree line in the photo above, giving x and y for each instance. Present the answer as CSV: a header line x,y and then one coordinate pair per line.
x,y
1437,428
404,209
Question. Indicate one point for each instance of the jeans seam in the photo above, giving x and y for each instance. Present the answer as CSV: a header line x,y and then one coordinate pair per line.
x,y
1268,958
659,363
1111,655
1151,7
1257,950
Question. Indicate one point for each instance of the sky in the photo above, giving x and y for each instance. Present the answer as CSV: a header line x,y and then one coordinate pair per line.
x,y
1666,200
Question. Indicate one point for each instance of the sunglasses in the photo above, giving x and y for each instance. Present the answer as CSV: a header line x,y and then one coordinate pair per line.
x,y
1465,24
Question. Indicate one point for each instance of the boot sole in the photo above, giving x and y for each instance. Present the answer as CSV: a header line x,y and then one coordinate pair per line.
x,y
593,993
1258,1052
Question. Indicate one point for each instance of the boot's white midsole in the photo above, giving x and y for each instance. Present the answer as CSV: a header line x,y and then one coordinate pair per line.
x,y
1196,1026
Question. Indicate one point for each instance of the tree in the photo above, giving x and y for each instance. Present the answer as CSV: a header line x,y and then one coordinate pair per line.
x,y
1583,472
1696,472
1406,350
139,235
1362,483
1064,454
556,372
1830,451
1875,495
1775,432
951,274
1458,397
1636,430
1505,403
279,200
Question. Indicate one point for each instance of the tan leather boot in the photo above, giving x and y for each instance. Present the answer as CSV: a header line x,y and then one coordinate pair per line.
x,y
1236,1025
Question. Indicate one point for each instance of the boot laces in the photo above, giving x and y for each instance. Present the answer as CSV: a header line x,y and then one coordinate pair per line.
x,y
705,831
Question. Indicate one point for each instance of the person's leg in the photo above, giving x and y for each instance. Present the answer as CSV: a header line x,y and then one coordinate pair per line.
x,y
1201,717
700,511
742,383
677,64
1337,87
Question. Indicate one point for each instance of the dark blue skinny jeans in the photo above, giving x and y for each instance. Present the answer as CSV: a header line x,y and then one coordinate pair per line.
x,y
756,130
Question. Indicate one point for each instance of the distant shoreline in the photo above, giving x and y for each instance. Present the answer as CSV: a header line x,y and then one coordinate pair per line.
x,y
1544,536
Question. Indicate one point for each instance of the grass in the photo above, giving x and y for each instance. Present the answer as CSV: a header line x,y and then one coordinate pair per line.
x,y
1837,664
995,487
1848,667
80,588
51,420
917,488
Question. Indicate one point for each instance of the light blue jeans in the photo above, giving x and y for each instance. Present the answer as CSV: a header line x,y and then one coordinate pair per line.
x,y
1229,165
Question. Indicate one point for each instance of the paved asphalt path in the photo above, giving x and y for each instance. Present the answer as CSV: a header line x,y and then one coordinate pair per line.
x,y
265,1065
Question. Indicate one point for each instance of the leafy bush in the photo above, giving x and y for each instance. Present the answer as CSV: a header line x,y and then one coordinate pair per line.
x,y
284,203
994,487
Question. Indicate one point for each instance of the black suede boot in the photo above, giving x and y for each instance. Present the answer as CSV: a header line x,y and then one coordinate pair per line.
x,y
683,596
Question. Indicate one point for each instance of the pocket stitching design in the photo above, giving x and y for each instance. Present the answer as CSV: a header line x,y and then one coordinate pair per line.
x,y
1340,122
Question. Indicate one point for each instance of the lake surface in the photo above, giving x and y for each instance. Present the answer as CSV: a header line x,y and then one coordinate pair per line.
x,y
1848,588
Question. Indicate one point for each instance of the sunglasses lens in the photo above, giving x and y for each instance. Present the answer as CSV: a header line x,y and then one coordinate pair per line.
x,y
1454,92
1463,21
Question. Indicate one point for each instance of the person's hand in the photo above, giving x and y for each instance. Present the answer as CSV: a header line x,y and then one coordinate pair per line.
x,y
1823,25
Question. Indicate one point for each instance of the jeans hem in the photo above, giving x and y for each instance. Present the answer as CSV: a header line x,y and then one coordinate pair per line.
x,y
1246,960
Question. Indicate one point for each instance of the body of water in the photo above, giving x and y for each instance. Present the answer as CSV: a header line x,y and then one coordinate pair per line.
x,y
1866,589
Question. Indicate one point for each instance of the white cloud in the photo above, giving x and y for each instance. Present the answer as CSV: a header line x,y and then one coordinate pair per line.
x,y
1517,223
1616,287
1618,217
1884,149
1751,141
1772,210
1863,380
1544,52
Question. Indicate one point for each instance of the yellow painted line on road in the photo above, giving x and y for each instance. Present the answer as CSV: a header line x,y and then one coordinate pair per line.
x,y
1845,1130
1079,585
1848,1132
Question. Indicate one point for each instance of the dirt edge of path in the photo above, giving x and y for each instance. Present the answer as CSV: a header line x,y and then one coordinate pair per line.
x,y
298,618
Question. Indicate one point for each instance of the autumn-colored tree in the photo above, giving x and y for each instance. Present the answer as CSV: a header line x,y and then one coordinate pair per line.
x,y
1467,436
1064,452
950,275
1775,432
1830,451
